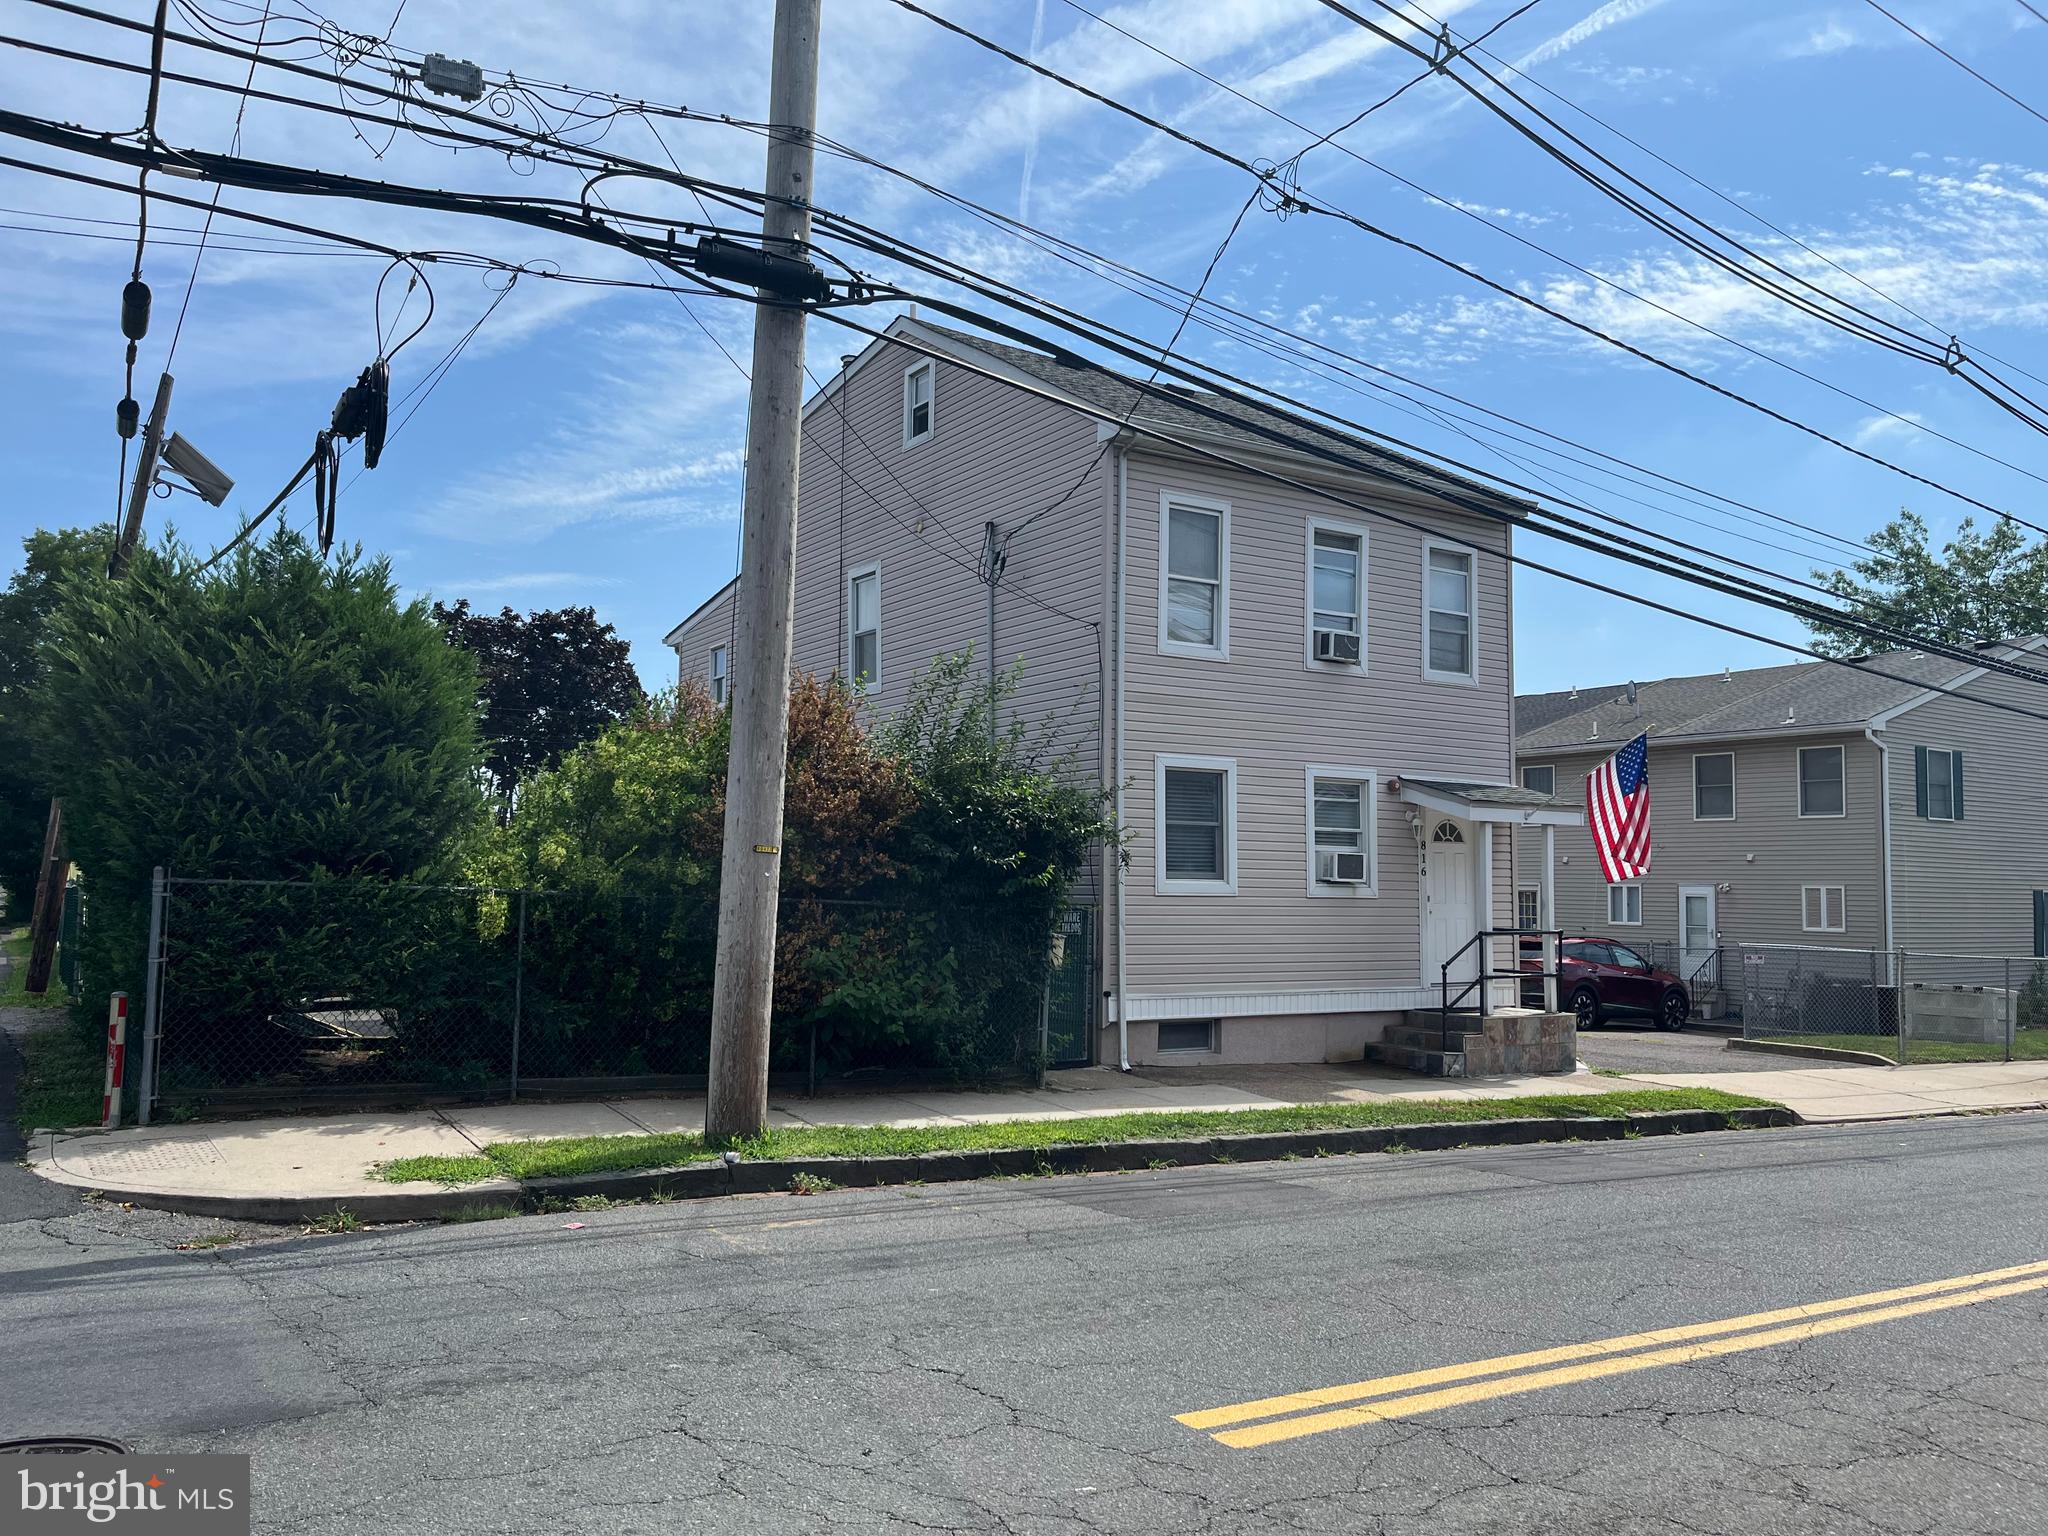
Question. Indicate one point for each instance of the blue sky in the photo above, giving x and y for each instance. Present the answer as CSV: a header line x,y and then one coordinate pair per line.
x,y
585,445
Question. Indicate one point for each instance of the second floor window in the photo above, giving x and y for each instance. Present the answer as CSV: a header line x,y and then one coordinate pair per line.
x,y
1447,619
864,626
1541,777
1938,783
1336,585
1195,578
719,674
917,403
1713,786
1820,782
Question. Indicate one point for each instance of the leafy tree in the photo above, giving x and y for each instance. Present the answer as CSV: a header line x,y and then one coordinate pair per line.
x,y
1980,586
550,682
53,559
278,717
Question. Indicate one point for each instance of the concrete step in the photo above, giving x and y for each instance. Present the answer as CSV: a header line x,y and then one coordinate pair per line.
x,y
1429,1036
1431,1019
1413,1058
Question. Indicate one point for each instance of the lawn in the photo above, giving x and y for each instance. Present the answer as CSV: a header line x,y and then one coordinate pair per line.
x,y
2027,1045
615,1154
62,1078
14,979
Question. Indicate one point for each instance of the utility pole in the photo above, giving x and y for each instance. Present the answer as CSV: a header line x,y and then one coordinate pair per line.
x,y
47,915
145,477
750,881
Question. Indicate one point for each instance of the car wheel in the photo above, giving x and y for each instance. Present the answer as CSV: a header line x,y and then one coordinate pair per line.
x,y
1674,1010
1586,1004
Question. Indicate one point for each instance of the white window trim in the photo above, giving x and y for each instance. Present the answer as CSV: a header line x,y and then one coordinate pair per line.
x,y
1838,910
1368,782
929,368
1696,816
1622,922
1471,557
1950,754
721,680
1308,623
1227,766
872,568
1529,890
1522,772
1220,651
1799,799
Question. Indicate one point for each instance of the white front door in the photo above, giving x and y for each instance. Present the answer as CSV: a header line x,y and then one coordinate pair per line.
x,y
1449,888
1698,928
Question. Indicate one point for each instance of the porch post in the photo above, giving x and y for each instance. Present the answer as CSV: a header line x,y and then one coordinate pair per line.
x,y
1547,901
1484,902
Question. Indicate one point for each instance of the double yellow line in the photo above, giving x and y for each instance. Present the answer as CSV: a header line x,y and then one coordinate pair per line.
x,y
1295,1414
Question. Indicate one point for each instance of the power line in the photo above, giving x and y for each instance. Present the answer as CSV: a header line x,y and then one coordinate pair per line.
x,y
1305,203
234,147
1459,207
1971,71
1214,455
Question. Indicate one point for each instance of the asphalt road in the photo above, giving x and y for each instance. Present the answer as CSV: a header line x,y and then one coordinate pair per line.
x,y
1014,1356
1628,1044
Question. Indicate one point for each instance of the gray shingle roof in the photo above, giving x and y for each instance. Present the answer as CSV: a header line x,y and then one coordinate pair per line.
x,y
1490,794
1810,693
1123,397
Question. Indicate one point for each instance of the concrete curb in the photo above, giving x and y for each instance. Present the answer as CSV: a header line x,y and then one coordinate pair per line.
x,y
708,1179
1814,1052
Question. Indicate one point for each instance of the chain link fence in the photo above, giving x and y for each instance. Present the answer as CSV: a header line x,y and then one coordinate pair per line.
x,y
270,994
1909,1006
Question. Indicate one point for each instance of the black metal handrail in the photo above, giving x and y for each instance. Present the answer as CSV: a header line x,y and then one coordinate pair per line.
x,y
1485,975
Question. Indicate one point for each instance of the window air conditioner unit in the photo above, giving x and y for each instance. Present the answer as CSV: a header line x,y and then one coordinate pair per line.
x,y
1340,868
1337,645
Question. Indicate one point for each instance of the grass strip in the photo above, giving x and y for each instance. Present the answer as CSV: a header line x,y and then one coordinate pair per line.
x,y
558,1157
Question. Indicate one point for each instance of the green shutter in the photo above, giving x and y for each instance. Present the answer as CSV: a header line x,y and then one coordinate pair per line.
x,y
1920,782
1956,779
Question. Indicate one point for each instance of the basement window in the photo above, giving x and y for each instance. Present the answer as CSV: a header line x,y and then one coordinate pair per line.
x,y
1187,1037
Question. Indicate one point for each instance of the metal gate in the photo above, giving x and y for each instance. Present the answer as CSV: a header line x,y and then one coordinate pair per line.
x,y
1070,998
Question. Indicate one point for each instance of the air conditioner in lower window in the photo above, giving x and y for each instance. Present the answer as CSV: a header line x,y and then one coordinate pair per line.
x,y
1337,645
1340,868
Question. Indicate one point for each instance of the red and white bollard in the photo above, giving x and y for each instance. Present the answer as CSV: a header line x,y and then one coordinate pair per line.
x,y
117,1060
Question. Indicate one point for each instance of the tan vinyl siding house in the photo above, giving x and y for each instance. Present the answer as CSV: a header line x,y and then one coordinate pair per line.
x,y
1863,868
1164,608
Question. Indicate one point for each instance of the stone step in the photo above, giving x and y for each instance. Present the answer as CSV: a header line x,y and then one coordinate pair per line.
x,y
1431,1019
1429,1036
1412,1058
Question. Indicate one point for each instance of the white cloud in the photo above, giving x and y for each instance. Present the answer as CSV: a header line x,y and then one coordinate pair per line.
x,y
1875,429
1823,38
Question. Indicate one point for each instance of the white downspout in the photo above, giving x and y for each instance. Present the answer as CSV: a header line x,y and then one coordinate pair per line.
x,y
1123,1013
1884,821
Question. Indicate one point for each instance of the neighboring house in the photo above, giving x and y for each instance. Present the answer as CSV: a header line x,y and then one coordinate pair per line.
x,y
1810,804
1303,709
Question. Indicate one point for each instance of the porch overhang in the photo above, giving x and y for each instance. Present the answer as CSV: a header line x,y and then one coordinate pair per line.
x,y
1507,804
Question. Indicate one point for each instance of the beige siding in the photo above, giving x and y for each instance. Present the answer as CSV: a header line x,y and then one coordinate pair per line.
x,y
918,514
1763,856
1966,887
1271,713
707,629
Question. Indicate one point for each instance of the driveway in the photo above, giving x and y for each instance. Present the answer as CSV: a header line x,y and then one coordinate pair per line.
x,y
1636,1045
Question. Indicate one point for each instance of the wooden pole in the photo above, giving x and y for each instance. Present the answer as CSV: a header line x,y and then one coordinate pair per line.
x,y
47,915
750,881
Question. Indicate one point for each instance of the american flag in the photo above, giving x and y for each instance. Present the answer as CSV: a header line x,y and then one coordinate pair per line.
x,y
1618,812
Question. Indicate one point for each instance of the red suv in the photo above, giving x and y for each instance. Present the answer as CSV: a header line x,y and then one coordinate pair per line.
x,y
1595,975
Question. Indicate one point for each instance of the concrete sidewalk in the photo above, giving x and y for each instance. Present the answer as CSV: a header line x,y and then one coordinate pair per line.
x,y
1827,1093
328,1158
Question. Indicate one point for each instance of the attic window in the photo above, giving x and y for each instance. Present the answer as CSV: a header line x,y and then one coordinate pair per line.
x,y
918,386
